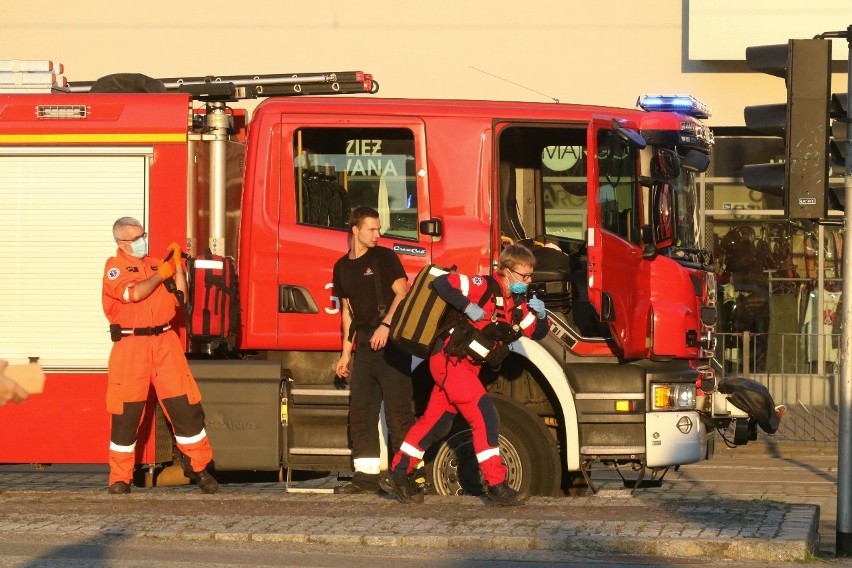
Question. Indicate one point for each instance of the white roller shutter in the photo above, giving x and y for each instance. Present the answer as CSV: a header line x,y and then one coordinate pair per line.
x,y
56,216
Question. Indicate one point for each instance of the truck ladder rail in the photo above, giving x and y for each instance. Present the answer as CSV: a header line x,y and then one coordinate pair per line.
x,y
237,87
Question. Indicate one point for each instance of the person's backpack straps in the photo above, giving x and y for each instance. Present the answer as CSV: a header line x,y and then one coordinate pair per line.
x,y
379,282
458,326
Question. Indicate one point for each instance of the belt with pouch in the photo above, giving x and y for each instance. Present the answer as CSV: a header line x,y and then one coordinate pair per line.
x,y
117,332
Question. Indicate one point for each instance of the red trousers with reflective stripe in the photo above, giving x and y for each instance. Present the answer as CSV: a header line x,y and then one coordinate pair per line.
x,y
137,363
458,389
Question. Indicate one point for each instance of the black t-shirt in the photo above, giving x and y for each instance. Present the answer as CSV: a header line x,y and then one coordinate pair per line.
x,y
355,280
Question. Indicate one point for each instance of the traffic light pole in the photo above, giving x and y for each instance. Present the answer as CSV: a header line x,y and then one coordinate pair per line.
x,y
843,545
804,123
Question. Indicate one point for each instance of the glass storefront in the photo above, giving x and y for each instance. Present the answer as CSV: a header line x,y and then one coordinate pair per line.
x,y
779,280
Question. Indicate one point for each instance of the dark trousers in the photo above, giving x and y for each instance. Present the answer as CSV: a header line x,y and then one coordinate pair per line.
x,y
377,376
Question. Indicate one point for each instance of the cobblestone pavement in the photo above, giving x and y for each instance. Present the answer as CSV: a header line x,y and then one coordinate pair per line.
x,y
677,523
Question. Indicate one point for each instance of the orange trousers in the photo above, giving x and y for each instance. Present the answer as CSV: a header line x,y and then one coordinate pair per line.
x,y
136,364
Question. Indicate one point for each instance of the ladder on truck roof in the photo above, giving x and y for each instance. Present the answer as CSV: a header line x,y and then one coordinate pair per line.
x,y
31,76
227,88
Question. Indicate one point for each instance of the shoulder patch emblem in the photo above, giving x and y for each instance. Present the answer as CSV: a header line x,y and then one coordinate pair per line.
x,y
113,273
478,280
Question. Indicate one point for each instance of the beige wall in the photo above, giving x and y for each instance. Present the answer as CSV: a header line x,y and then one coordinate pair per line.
x,y
605,52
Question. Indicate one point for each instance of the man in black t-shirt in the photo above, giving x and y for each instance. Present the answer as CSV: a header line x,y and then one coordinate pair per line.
x,y
371,282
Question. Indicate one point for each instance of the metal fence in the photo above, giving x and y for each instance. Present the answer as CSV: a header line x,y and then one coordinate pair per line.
x,y
801,372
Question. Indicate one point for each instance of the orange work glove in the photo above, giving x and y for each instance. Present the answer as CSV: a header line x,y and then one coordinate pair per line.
x,y
176,252
166,270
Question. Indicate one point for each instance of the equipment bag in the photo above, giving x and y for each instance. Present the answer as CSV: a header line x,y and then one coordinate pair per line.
x,y
214,306
417,321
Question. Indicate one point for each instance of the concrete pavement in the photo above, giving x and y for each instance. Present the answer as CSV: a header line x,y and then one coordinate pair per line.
x,y
654,523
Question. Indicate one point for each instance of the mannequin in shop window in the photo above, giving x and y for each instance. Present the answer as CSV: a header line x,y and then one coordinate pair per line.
x,y
823,325
745,294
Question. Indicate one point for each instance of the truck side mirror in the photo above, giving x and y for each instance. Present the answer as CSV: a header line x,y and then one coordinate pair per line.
x,y
628,135
649,250
696,161
667,163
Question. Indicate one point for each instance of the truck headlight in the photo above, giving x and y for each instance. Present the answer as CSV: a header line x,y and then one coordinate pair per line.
x,y
677,396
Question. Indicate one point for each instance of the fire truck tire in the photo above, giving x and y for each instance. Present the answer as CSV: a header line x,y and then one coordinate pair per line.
x,y
528,449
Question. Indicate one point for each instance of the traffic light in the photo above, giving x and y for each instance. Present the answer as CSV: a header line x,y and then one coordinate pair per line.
x,y
837,147
802,179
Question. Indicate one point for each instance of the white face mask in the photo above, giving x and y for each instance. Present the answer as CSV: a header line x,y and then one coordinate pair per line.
x,y
139,247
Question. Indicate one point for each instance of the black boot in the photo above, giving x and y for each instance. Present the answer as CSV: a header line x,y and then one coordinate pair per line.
x,y
206,482
399,485
119,488
502,494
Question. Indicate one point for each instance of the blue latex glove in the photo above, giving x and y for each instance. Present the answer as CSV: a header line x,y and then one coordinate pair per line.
x,y
474,312
537,306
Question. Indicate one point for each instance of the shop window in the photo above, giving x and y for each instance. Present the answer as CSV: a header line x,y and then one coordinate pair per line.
x,y
780,282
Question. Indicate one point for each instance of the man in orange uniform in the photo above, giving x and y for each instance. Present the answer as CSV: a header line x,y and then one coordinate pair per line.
x,y
148,352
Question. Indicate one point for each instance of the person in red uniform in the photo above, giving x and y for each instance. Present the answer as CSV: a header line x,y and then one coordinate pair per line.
x,y
497,308
147,352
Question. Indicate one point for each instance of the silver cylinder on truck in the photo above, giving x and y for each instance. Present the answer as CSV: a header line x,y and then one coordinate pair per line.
x,y
217,128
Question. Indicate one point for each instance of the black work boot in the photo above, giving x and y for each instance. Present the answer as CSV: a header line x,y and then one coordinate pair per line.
x,y
417,478
206,482
502,494
119,488
203,479
399,485
351,488
360,483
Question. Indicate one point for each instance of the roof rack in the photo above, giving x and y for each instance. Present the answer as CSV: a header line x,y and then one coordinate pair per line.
x,y
231,88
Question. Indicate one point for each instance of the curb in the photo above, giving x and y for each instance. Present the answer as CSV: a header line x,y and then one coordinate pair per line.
x,y
614,523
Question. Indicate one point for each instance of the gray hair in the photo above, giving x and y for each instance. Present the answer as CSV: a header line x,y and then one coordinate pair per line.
x,y
122,223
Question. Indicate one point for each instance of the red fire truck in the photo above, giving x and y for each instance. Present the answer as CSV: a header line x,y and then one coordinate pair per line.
x,y
609,194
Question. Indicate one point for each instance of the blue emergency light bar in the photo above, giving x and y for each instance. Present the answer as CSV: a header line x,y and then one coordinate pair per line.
x,y
684,104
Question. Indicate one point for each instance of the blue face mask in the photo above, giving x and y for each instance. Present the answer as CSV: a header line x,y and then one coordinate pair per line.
x,y
140,247
518,287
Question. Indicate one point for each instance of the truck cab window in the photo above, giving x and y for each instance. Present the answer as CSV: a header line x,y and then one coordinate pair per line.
x,y
543,168
338,169
618,184
564,191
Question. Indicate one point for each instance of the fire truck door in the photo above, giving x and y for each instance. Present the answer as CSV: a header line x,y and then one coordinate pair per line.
x,y
613,238
329,166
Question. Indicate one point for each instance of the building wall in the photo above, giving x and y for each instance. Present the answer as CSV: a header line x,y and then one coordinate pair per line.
x,y
587,52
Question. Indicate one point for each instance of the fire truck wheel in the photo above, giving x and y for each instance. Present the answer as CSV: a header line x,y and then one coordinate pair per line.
x,y
527,447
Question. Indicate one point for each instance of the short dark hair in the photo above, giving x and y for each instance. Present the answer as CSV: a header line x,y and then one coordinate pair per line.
x,y
360,213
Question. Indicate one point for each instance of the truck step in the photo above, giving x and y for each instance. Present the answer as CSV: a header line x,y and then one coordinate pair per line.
x,y
303,391
318,396
320,451
612,450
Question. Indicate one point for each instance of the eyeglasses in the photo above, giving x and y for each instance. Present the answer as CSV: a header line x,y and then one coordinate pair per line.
x,y
142,236
523,276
